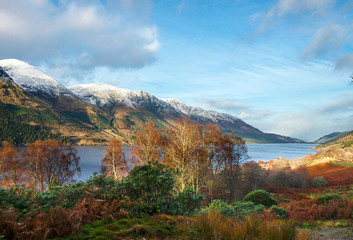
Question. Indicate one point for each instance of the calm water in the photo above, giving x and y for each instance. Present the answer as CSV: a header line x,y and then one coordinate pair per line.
x,y
91,157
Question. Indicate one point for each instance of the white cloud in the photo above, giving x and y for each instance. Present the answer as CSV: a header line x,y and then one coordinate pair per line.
x,y
256,115
229,105
310,124
283,7
305,9
343,106
79,34
327,39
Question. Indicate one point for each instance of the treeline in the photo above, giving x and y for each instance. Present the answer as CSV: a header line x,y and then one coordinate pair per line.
x,y
207,160
42,164
18,133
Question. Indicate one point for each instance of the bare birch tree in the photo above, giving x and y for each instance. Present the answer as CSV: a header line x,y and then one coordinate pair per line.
x,y
115,163
148,144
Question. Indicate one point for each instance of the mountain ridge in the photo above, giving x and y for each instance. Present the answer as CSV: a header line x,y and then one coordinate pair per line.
x,y
101,110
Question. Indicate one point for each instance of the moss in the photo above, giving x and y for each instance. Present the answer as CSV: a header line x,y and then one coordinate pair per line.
x,y
159,226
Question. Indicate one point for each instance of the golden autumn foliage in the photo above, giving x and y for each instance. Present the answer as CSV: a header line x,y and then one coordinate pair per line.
x,y
41,164
148,144
115,163
51,162
12,165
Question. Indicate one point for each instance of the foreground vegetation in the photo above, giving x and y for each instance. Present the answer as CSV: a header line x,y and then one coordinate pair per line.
x,y
189,182
146,204
104,208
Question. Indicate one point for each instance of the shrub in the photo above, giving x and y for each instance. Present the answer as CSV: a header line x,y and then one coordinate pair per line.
x,y
17,197
243,209
186,202
260,197
220,207
280,212
319,182
329,197
152,187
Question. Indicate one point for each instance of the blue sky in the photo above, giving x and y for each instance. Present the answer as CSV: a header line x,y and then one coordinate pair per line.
x,y
283,66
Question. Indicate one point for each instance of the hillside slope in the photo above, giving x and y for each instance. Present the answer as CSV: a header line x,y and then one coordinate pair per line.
x,y
93,113
22,114
229,123
332,137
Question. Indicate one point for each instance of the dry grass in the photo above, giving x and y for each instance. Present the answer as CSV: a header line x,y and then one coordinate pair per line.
x,y
334,174
215,226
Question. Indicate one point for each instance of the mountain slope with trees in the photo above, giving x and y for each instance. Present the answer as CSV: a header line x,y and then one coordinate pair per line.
x,y
93,113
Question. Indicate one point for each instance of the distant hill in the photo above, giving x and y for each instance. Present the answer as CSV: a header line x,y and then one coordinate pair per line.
x,y
332,137
93,113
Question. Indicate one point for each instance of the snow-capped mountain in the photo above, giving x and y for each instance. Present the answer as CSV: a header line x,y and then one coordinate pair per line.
x,y
197,112
105,95
101,94
107,110
32,79
108,96
225,121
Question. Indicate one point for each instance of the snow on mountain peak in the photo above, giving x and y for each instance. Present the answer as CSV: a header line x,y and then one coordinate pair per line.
x,y
101,94
198,112
32,79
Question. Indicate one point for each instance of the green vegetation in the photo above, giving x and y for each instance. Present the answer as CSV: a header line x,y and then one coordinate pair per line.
x,y
279,211
134,119
220,207
77,117
14,131
157,201
148,190
32,115
243,209
329,197
99,121
260,197
148,117
239,210
153,187
156,227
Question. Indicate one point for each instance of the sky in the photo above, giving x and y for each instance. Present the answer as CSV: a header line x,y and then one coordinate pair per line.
x,y
283,66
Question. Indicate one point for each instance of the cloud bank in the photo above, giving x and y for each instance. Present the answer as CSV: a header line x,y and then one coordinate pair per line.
x,y
81,34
